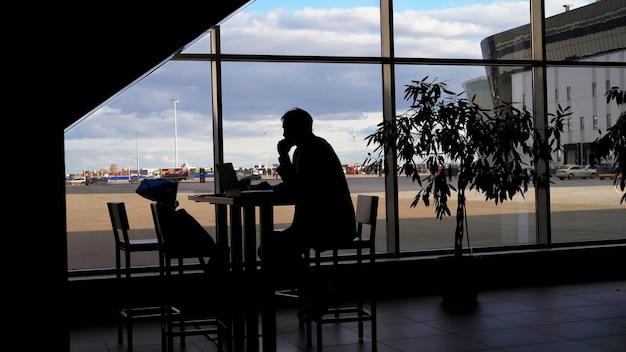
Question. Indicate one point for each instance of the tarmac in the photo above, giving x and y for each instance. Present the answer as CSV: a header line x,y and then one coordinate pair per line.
x,y
578,213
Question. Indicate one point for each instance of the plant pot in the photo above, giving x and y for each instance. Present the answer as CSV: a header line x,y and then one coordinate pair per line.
x,y
459,281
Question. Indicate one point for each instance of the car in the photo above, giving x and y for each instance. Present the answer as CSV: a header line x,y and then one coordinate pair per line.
x,y
76,181
576,171
606,170
99,180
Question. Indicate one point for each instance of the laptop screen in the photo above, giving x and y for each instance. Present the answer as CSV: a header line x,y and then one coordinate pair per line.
x,y
228,179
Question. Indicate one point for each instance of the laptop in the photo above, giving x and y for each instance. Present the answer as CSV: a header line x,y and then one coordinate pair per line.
x,y
230,184
228,179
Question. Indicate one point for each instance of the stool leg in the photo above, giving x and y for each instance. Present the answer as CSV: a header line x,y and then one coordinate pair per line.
x,y
182,318
163,336
309,338
129,311
373,322
120,328
319,336
129,329
169,330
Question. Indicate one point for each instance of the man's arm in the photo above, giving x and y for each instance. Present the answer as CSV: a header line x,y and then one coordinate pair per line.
x,y
286,168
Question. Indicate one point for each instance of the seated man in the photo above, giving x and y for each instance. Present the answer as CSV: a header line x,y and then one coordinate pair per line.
x,y
324,214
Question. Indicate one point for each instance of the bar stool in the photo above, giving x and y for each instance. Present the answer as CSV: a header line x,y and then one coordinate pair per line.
x,y
129,310
187,322
361,307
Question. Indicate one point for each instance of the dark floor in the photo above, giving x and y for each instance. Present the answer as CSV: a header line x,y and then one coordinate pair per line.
x,y
574,317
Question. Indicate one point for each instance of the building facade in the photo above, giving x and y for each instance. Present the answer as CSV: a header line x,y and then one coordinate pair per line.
x,y
590,34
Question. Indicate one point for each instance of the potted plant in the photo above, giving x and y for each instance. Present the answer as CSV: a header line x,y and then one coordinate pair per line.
x,y
495,151
614,141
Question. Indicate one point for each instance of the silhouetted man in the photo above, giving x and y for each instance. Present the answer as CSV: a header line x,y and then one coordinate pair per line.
x,y
324,214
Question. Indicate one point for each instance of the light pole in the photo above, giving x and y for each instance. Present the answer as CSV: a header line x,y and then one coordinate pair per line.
x,y
137,153
354,143
174,101
266,167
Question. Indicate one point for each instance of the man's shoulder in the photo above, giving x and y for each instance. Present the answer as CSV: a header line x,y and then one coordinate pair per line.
x,y
321,140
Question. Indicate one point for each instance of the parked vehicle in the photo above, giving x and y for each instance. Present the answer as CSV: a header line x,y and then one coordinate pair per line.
x,y
98,180
575,171
175,174
76,181
606,171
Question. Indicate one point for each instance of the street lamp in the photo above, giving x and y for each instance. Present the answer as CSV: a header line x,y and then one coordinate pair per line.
x,y
137,153
354,146
266,167
174,101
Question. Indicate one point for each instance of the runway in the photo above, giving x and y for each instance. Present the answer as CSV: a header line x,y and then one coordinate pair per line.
x,y
581,210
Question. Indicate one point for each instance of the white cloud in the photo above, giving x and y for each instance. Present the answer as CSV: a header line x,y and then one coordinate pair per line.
x,y
343,99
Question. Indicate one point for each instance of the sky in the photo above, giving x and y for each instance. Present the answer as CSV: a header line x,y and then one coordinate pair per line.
x,y
136,127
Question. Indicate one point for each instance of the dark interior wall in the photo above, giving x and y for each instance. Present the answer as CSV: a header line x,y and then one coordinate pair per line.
x,y
93,299
64,60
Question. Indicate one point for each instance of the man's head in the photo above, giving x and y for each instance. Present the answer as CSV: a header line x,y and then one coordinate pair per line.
x,y
297,124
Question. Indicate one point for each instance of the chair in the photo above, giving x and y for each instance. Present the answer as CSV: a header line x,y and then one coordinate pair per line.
x,y
362,307
177,295
123,243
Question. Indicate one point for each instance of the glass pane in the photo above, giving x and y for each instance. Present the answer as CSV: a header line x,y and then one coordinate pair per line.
x,y
467,29
344,100
582,31
138,122
508,223
329,28
585,207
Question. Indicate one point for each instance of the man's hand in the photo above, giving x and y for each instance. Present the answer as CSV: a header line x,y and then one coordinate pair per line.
x,y
284,146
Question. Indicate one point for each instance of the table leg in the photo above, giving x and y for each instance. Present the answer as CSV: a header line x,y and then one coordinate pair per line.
x,y
239,297
236,235
221,225
251,302
268,310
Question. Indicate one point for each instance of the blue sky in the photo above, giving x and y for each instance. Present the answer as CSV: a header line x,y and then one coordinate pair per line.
x,y
342,99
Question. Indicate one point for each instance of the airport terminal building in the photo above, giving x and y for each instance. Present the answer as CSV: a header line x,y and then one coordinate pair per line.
x,y
594,33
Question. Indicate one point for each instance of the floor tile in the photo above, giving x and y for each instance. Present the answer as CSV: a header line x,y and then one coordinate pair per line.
x,y
586,317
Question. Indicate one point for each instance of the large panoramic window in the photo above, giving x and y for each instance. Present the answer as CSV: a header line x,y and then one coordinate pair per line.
x,y
333,58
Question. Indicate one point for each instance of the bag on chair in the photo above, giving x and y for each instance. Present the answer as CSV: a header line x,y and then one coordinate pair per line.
x,y
159,190
189,237
196,241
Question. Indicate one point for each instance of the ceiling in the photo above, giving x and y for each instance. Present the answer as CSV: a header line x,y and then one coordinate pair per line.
x,y
101,49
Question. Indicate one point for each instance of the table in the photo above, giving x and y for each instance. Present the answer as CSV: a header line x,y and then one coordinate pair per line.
x,y
243,257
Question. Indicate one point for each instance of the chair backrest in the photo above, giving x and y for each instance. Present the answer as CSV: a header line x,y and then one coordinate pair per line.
x,y
154,207
366,214
119,221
